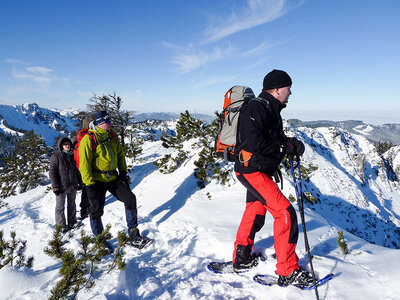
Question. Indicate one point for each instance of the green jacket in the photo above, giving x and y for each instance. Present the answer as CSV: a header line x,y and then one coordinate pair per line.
x,y
101,164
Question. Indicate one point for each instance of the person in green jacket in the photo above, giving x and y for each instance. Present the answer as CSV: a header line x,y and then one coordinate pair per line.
x,y
98,166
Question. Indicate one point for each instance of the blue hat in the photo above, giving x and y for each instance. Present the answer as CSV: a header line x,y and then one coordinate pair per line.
x,y
101,117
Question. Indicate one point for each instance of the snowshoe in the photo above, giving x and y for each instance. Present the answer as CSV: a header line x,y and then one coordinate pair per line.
x,y
139,242
136,240
299,277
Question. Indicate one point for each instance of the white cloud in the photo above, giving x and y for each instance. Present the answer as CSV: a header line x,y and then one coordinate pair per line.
x,y
32,77
255,13
40,75
35,74
197,59
13,61
38,70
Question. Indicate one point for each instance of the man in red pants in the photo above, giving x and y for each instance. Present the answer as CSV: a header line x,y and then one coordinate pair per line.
x,y
262,145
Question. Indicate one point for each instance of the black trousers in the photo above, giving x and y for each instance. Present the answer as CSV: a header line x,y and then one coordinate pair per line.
x,y
119,189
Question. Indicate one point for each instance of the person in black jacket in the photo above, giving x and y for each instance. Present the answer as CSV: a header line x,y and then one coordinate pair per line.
x,y
262,145
65,181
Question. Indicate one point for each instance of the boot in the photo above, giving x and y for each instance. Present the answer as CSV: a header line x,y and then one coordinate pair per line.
x,y
299,277
136,240
244,260
96,225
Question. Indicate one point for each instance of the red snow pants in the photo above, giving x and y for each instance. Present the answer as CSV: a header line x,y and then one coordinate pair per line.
x,y
263,194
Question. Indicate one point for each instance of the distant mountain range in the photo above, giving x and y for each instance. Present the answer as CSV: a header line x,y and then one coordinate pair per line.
x,y
17,119
49,123
374,133
166,116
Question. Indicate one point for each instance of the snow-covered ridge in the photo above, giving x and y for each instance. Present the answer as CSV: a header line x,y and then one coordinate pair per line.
x,y
355,185
374,133
48,123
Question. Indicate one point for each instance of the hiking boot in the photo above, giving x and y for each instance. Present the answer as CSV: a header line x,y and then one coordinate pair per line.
x,y
244,259
75,225
299,277
244,266
136,240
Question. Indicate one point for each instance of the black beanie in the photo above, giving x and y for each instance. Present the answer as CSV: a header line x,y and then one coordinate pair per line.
x,y
101,117
276,79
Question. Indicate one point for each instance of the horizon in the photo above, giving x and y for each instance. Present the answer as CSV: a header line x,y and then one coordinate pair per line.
x,y
342,56
60,110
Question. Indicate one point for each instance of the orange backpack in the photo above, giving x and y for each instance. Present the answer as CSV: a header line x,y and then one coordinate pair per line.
x,y
227,137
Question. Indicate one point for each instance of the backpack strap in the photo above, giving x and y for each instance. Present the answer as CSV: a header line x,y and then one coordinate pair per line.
x,y
92,137
264,102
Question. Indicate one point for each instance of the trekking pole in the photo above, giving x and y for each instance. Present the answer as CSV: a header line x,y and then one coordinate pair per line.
x,y
299,194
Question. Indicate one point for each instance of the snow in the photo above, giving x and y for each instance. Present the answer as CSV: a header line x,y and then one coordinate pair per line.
x,y
190,230
30,116
364,129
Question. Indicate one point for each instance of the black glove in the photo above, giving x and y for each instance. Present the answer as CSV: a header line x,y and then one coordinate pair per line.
x,y
80,186
124,178
56,191
294,147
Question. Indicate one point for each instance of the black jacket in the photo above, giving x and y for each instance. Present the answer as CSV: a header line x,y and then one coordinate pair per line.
x,y
63,171
261,133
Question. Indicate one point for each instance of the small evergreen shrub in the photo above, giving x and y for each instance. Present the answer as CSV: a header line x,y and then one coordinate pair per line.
x,y
77,268
208,166
342,243
13,250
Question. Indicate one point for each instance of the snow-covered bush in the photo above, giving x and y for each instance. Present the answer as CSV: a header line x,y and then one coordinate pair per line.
x,y
201,136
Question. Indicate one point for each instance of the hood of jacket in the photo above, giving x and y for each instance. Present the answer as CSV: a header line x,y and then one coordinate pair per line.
x,y
61,140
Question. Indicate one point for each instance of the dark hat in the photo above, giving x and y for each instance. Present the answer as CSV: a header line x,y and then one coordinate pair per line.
x,y
101,117
276,79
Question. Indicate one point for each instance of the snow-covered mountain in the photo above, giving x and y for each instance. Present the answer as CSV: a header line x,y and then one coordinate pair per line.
x,y
18,119
358,189
163,116
374,133
355,193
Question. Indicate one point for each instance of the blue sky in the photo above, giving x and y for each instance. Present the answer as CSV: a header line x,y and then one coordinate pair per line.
x,y
343,56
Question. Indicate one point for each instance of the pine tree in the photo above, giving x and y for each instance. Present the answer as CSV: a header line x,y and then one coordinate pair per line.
x,y
134,147
13,250
26,167
209,166
382,147
187,128
77,268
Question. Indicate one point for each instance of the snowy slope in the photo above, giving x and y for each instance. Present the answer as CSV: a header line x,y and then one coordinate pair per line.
x,y
353,185
190,230
374,133
49,123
